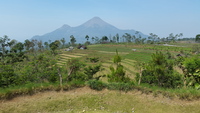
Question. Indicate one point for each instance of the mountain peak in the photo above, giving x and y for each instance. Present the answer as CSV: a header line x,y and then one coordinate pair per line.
x,y
95,21
65,26
93,27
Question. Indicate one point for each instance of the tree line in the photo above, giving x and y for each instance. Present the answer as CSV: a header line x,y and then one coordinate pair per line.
x,y
35,62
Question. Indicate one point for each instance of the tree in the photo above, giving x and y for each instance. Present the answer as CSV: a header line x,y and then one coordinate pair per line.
x,y
87,37
173,37
96,39
118,74
4,43
7,76
63,42
74,65
32,45
40,46
19,46
46,45
90,71
54,45
139,66
117,37
27,44
93,39
197,38
104,38
114,38
192,67
180,35
127,36
12,43
153,37
72,40
159,71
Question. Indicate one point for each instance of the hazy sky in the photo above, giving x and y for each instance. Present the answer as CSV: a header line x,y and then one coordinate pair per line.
x,y
22,19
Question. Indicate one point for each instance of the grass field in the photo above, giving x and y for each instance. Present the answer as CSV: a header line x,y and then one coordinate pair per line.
x,y
86,100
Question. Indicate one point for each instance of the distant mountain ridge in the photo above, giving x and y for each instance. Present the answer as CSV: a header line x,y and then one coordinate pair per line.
x,y
93,27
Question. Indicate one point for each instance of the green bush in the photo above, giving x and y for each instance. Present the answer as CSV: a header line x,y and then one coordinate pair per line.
x,y
7,76
96,85
121,86
159,71
91,70
118,74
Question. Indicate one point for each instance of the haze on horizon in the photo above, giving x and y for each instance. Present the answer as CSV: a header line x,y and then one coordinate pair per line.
x,y
23,19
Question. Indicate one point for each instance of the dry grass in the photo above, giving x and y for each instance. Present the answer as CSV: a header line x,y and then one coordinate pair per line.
x,y
90,101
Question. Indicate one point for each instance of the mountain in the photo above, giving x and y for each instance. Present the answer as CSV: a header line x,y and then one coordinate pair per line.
x,y
93,27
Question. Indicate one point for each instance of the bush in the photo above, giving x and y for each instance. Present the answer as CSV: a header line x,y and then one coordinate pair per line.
x,y
121,86
118,74
96,85
159,71
91,70
7,76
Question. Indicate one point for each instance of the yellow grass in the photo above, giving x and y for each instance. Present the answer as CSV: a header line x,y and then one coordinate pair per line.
x,y
89,101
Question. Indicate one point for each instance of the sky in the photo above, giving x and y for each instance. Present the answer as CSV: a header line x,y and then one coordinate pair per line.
x,y
23,19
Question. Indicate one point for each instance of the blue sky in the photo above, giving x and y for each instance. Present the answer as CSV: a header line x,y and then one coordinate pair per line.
x,y
22,19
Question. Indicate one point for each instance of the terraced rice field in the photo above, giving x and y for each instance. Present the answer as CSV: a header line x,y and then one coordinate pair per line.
x,y
127,63
64,57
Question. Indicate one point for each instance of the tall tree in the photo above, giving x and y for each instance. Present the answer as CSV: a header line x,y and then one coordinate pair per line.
x,y
46,45
180,35
118,74
197,38
27,44
40,46
87,37
104,38
173,37
54,45
93,39
4,43
117,37
72,40
153,37
19,46
63,42
96,39
114,39
127,36
12,43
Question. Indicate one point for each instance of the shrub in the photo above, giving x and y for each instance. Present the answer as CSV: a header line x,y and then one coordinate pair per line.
x,y
118,74
91,70
121,86
96,85
159,71
7,76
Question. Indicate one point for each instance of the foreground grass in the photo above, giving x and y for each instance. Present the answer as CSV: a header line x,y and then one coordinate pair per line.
x,y
90,101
